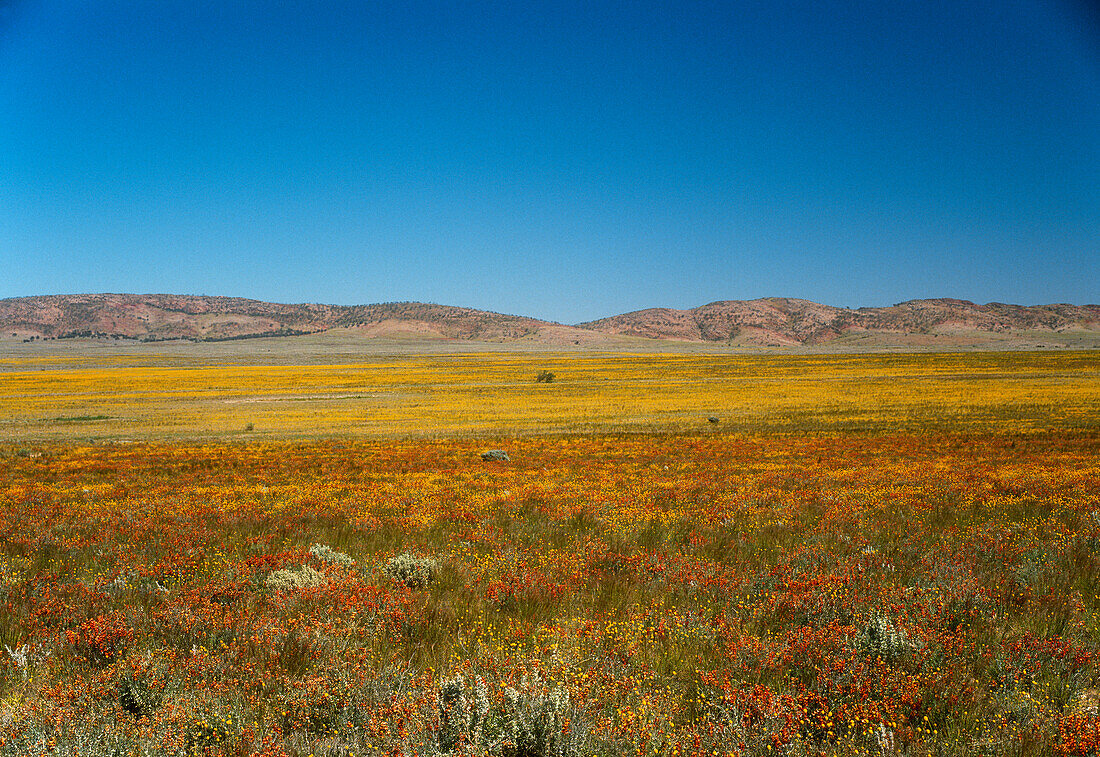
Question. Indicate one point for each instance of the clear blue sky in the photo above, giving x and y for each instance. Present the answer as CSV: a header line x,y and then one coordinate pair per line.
x,y
561,160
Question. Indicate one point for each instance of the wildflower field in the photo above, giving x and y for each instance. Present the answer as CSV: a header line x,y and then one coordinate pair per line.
x,y
860,555
169,396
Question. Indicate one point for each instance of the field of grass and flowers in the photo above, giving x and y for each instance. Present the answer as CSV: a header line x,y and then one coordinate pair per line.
x,y
823,585
170,396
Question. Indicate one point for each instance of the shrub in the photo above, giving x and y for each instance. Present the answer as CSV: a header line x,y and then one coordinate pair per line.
x,y
462,710
530,723
326,554
533,724
137,697
290,580
544,377
415,572
882,638
19,657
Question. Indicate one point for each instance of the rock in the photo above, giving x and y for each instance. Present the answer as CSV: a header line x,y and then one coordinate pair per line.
x,y
497,455
713,418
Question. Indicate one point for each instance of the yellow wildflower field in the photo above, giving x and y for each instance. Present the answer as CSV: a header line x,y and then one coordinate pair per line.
x,y
495,394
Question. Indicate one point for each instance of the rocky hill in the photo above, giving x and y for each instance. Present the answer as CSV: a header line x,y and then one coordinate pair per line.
x,y
153,317
783,321
771,321
161,317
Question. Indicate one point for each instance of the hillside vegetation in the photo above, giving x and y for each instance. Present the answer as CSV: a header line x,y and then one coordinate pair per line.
x,y
768,322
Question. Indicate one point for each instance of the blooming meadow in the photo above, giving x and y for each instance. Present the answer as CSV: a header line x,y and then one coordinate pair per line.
x,y
138,396
820,586
647,594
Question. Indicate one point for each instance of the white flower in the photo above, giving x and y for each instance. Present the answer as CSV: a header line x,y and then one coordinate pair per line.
x,y
19,655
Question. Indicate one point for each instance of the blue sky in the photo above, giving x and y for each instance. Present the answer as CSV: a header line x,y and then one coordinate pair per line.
x,y
561,160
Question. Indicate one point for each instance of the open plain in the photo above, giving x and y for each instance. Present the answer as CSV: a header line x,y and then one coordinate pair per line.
x,y
250,548
323,386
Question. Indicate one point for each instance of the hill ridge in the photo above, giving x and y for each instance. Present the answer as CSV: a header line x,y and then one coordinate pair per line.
x,y
765,321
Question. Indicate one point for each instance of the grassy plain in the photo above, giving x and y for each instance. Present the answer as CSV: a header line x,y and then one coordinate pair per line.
x,y
868,554
172,395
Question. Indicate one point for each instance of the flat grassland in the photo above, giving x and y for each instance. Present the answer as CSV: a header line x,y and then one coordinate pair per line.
x,y
866,554
173,396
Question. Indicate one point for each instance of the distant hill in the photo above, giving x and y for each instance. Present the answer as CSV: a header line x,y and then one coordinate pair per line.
x,y
161,317
780,321
153,317
772,321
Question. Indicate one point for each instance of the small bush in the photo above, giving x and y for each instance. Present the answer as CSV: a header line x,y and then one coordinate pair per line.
x,y
882,639
328,555
534,722
415,572
462,710
116,587
533,725
291,580
137,697
19,657
544,377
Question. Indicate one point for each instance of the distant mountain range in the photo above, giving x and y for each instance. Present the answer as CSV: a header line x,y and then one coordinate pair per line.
x,y
771,321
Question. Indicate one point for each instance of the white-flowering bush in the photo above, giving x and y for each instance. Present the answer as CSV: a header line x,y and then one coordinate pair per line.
x,y
117,587
884,740
883,639
329,556
462,710
411,570
291,580
74,739
19,657
532,724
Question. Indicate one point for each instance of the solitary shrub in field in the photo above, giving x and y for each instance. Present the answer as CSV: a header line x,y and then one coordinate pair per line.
x,y
328,555
290,580
544,377
462,710
19,657
137,697
117,586
883,639
533,725
411,570
529,723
